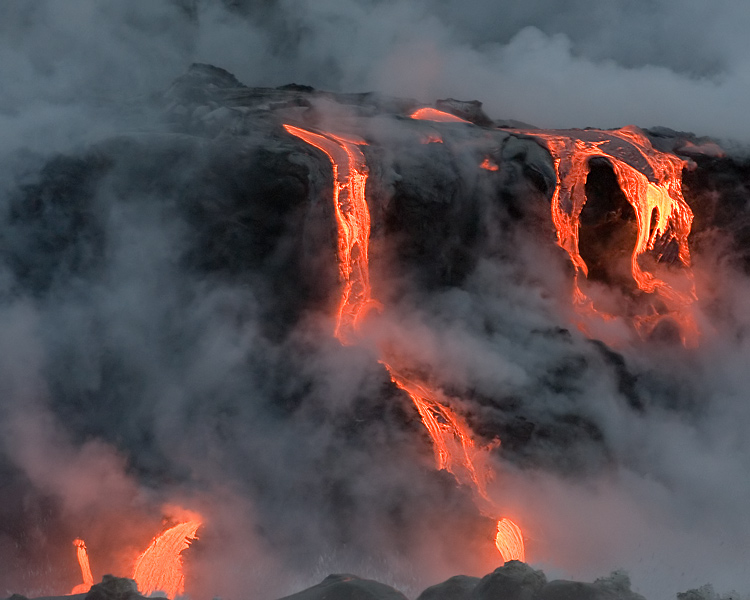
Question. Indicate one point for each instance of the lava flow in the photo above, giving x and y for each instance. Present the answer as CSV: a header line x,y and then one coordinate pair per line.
x,y
353,220
159,568
83,562
652,183
455,449
433,114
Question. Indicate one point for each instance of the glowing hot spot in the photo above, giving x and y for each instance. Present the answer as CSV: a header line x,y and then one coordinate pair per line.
x,y
432,138
489,165
159,568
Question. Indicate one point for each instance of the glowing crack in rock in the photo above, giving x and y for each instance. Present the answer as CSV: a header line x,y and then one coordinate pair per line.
x,y
159,568
83,562
652,183
455,449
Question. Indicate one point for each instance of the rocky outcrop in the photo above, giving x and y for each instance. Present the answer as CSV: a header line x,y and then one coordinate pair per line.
x,y
347,587
458,587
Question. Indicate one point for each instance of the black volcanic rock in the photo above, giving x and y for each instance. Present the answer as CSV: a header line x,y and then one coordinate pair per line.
x,y
347,587
115,588
458,587
513,581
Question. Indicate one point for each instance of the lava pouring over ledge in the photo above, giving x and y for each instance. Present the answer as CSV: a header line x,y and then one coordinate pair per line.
x,y
159,568
652,183
455,449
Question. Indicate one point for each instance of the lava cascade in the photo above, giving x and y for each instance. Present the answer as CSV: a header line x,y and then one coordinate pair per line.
x,y
652,183
83,562
159,568
489,165
353,221
455,449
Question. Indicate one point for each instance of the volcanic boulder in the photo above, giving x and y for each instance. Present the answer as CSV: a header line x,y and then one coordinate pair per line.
x,y
458,587
347,587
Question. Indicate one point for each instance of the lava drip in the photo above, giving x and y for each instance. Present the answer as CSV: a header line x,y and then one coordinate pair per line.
x,y
159,568
83,561
652,183
455,449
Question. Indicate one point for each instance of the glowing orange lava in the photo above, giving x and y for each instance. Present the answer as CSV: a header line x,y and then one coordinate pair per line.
x,y
457,453
159,568
433,114
353,220
489,165
652,183
455,449
83,562
509,540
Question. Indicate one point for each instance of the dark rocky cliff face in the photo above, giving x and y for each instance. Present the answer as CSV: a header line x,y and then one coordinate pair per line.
x,y
182,279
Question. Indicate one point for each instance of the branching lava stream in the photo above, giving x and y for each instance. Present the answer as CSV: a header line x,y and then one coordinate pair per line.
x,y
455,449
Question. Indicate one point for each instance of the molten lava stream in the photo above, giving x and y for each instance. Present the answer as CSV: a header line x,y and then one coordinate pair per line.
x,y
83,562
433,114
353,223
454,446
159,568
658,196
456,452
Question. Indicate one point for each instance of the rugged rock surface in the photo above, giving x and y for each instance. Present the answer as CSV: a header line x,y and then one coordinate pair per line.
x,y
513,581
210,217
